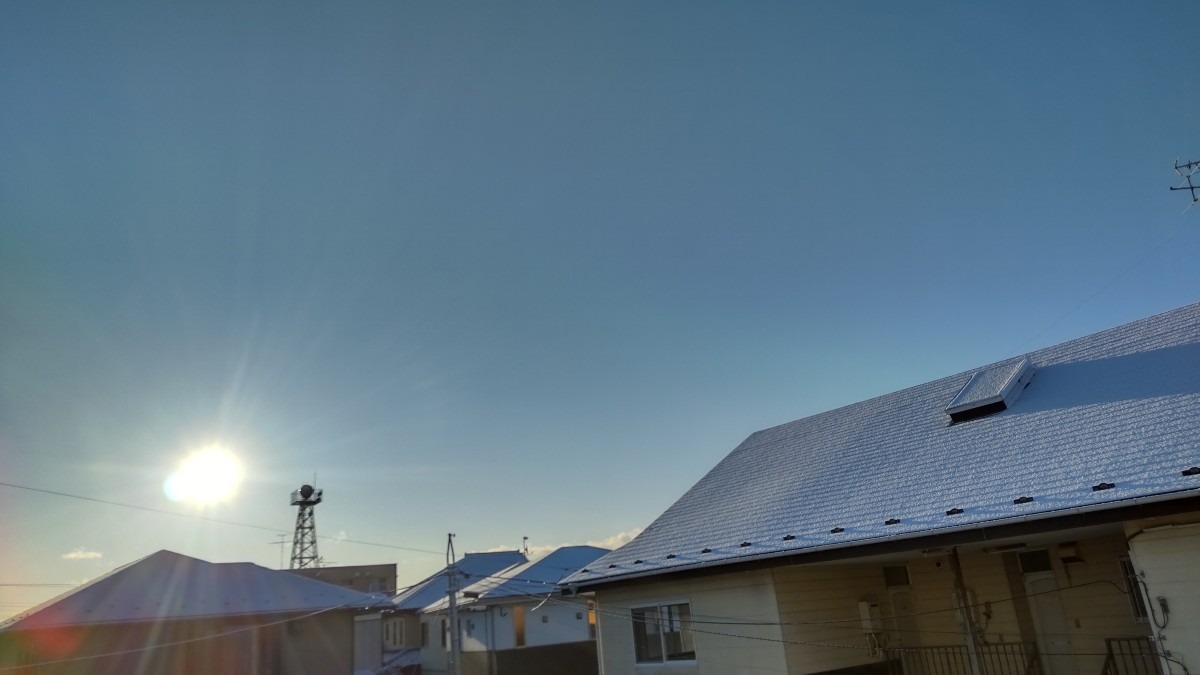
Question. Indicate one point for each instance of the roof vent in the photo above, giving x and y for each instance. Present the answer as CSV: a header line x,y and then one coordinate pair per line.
x,y
638,561
789,537
990,390
1022,500
954,511
1193,471
837,530
892,521
706,550
670,556
1103,486
744,544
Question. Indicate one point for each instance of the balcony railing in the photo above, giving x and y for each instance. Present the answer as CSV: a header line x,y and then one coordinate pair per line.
x,y
1006,658
1131,656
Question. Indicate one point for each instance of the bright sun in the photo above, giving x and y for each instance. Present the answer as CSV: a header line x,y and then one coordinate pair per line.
x,y
207,476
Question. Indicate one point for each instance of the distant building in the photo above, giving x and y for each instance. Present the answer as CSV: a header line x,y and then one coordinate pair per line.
x,y
169,613
362,578
409,638
515,621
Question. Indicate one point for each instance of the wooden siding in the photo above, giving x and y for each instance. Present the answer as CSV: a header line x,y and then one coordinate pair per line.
x,y
721,648
818,605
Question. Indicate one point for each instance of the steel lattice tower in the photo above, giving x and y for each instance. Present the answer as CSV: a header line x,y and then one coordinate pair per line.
x,y
304,541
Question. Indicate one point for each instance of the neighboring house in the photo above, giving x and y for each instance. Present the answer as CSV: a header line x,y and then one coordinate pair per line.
x,y
515,621
413,642
168,613
363,578
1039,515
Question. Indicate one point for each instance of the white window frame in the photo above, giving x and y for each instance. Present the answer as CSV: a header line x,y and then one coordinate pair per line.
x,y
685,628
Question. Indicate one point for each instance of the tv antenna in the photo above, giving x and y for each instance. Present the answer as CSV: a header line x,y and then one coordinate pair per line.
x,y
1186,171
304,541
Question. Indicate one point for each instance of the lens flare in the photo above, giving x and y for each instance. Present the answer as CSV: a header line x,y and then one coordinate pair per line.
x,y
207,476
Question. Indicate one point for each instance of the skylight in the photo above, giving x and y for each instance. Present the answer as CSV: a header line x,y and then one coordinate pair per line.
x,y
991,390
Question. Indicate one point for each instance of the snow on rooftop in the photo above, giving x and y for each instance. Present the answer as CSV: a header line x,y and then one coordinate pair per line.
x,y
526,580
474,565
167,585
1121,407
992,385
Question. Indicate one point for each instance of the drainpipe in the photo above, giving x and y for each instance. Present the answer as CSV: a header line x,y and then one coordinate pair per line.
x,y
962,602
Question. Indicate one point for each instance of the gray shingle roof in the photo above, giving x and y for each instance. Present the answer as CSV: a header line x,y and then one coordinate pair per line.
x,y
167,585
526,580
474,565
1121,406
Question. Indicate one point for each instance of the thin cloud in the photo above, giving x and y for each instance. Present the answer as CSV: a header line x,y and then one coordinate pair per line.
x,y
617,540
82,553
614,542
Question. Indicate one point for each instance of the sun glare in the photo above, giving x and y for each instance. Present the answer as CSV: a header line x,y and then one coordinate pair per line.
x,y
206,476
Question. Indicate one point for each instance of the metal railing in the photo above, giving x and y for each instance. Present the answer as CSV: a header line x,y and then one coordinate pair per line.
x,y
1005,658
1131,656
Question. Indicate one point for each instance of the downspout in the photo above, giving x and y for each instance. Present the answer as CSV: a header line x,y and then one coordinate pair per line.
x,y
963,604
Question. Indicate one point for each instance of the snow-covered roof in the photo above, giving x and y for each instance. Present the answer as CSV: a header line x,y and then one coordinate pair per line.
x,y
167,585
1120,407
474,565
525,580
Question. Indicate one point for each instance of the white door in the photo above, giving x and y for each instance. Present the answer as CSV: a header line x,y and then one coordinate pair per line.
x,y
1050,623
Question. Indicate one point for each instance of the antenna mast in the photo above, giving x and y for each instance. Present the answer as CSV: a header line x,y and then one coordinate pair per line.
x,y
304,541
1187,170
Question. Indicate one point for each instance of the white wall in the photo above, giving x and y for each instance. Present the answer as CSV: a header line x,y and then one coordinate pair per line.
x,y
368,642
721,649
556,622
1168,557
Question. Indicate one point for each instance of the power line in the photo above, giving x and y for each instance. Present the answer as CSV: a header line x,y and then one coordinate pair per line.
x,y
220,521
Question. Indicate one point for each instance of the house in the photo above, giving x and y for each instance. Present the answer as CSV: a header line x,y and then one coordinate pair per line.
x,y
169,613
412,641
1039,515
514,621
379,578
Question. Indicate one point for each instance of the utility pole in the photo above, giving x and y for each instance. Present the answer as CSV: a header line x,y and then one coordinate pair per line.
x,y
452,590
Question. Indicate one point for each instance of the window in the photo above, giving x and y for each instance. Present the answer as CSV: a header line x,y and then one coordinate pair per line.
x,y
591,620
1136,601
424,634
1035,561
896,576
519,625
663,633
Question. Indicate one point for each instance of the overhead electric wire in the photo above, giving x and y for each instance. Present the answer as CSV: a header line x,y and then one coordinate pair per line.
x,y
605,610
619,612
1126,270
175,643
220,521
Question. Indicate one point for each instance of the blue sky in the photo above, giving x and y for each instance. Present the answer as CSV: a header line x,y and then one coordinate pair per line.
x,y
533,268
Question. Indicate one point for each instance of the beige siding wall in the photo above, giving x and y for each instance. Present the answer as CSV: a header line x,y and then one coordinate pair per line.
x,y
818,605
1167,554
721,648
813,625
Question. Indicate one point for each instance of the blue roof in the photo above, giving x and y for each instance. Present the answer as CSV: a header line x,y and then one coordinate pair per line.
x,y
526,580
1121,406
474,565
